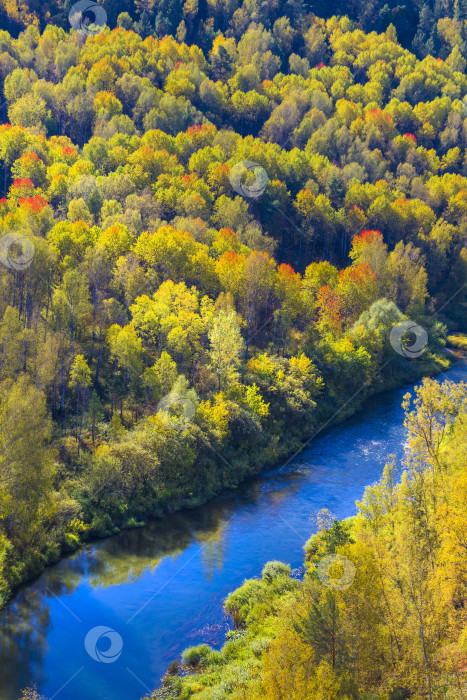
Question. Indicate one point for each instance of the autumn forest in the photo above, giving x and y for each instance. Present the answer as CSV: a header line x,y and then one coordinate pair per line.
x,y
223,226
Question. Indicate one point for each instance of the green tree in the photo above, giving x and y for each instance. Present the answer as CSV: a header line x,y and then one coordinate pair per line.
x,y
322,629
80,380
226,346
26,470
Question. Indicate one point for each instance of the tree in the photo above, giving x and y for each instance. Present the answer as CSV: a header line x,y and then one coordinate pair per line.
x,y
373,328
171,319
95,411
11,332
288,668
256,292
30,112
357,289
31,694
126,348
178,408
162,376
322,630
226,346
369,248
78,211
288,291
456,61
80,380
407,276
435,407
329,306
317,275
336,536
70,302
151,259
26,470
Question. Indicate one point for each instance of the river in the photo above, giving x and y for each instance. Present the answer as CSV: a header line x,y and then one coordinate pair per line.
x,y
161,587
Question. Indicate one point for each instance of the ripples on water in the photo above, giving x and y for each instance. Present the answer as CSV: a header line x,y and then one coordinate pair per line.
x,y
162,587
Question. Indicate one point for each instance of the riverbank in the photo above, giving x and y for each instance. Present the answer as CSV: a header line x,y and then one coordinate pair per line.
x,y
162,587
379,638
269,451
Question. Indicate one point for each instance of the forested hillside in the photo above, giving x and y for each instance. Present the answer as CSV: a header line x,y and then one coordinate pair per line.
x,y
380,612
426,27
204,254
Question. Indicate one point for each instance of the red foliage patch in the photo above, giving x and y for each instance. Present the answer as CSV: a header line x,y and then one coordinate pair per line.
x,y
358,274
230,257
330,306
286,270
367,237
30,156
376,112
35,204
23,182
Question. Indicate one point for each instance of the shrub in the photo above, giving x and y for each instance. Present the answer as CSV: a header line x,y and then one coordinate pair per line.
x,y
273,569
196,656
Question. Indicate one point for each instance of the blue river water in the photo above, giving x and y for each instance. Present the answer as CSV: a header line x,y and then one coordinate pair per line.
x,y
161,587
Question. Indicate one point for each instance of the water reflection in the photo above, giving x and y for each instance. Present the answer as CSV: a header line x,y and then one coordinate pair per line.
x,y
119,560
162,586
146,547
23,637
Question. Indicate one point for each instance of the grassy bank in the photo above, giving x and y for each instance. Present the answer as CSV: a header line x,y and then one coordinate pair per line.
x,y
458,341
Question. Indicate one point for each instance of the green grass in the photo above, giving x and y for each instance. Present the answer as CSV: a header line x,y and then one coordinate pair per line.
x,y
458,341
